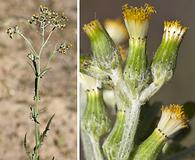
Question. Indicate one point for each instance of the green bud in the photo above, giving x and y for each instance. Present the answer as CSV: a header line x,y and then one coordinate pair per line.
x,y
137,23
95,121
104,50
135,72
164,61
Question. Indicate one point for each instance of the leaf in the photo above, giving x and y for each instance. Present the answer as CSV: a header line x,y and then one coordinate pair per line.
x,y
26,147
44,72
44,134
34,115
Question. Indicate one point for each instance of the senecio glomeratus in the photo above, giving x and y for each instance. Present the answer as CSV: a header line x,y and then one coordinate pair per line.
x,y
133,82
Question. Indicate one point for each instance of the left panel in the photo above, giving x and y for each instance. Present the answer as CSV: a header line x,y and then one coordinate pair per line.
x,y
38,79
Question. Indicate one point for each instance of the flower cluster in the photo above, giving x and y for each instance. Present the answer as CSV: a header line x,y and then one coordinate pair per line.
x,y
12,30
172,119
49,17
64,48
133,82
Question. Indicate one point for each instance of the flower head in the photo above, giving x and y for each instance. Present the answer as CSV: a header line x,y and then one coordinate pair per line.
x,y
172,120
11,31
116,29
137,20
64,48
173,30
50,18
103,47
164,61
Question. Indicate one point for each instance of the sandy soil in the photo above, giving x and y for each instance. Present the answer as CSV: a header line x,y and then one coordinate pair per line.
x,y
58,91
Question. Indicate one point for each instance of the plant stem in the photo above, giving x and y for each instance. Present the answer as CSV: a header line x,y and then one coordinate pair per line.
x,y
45,42
131,123
29,44
87,146
36,109
96,148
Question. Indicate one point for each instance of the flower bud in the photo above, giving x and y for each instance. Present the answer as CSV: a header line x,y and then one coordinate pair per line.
x,y
164,61
137,20
172,120
137,23
95,121
104,50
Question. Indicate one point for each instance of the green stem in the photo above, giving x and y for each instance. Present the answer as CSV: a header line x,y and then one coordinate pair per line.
x,y
45,42
96,148
36,109
131,123
29,44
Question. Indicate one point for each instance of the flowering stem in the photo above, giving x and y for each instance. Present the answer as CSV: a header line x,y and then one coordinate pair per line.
x,y
45,42
131,123
28,44
36,109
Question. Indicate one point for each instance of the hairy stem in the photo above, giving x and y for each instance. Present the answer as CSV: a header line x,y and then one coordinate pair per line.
x,y
112,143
96,148
131,123
87,146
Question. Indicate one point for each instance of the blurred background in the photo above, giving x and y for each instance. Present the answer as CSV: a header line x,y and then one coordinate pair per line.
x,y
58,91
181,88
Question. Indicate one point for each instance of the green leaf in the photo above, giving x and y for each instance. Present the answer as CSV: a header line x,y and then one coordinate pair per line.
x,y
44,134
26,147
44,72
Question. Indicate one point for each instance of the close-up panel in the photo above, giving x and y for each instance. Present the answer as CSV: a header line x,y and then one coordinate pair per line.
x,y
38,61
137,80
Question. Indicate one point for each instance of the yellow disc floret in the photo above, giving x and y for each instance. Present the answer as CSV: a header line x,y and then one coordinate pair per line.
x,y
92,28
173,30
172,120
138,14
137,20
